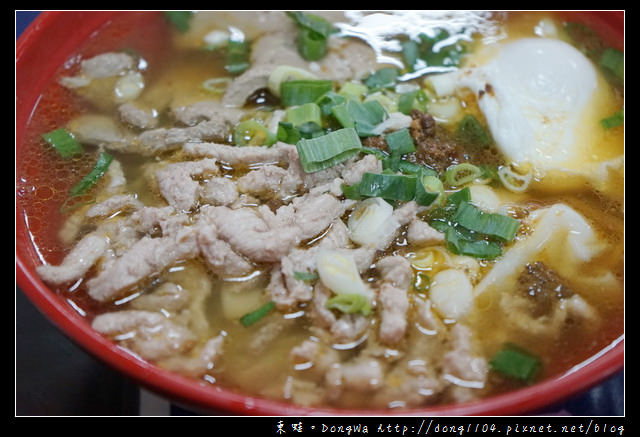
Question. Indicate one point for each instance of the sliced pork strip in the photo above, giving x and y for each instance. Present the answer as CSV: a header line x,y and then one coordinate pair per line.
x,y
244,156
219,255
177,185
136,115
165,297
107,64
460,361
113,204
247,83
347,59
392,295
250,235
269,180
285,288
363,374
77,262
204,110
146,257
199,364
149,334
219,191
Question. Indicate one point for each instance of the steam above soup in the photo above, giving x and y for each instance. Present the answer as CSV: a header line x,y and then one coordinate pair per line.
x,y
362,210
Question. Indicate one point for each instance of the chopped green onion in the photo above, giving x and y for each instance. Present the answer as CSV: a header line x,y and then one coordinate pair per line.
x,y
305,276
64,143
353,90
216,85
363,117
613,61
252,317
252,133
410,54
459,196
286,73
428,189
515,362
471,132
179,19
388,186
495,225
350,303
400,142
422,282
464,242
351,191
313,22
615,120
312,46
411,100
380,154
441,50
407,167
462,174
299,92
99,169
237,56
307,113
313,34
512,180
327,150
383,78
287,133
328,100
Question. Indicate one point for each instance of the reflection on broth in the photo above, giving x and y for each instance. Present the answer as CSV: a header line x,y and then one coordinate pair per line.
x,y
333,209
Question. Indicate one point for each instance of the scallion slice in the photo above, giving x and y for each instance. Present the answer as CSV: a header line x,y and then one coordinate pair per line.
x,y
299,92
237,56
179,19
471,132
615,120
305,276
495,225
99,169
383,78
288,133
252,317
328,100
327,150
350,303
428,189
613,60
400,142
388,186
515,362
462,174
64,143
312,46
461,241
313,34
307,113
252,133
363,117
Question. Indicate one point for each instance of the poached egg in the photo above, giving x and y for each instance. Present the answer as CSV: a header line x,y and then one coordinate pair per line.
x,y
543,101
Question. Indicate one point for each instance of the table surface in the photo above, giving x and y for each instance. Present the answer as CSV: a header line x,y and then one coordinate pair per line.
x,y
76,384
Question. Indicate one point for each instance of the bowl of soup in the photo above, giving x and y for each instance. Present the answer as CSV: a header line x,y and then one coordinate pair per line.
x,y
323,212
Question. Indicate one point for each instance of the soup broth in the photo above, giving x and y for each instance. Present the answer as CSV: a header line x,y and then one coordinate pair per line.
x,y
247,292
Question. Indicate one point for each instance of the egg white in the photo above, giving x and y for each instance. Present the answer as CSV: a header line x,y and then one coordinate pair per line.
x,y
543,101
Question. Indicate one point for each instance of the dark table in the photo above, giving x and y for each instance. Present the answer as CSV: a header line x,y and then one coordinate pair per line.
x,y
73,383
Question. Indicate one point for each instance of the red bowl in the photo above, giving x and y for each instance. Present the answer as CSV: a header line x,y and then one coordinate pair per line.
x,y
40,51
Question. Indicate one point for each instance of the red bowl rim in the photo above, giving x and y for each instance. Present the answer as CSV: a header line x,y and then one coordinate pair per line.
x,y
208,399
